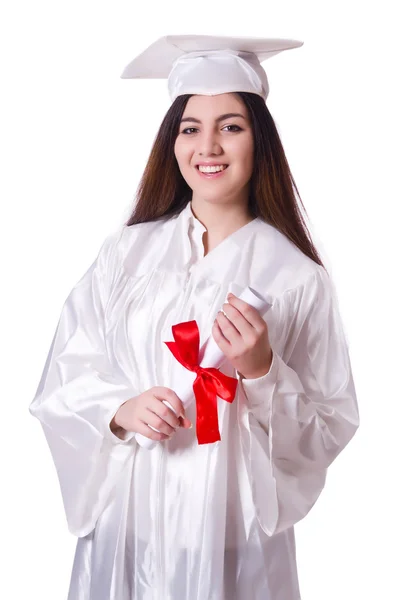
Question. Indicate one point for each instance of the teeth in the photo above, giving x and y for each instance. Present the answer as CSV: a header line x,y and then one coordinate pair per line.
x,y
213,169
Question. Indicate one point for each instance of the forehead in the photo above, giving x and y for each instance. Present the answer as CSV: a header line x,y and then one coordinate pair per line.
x,y
208,106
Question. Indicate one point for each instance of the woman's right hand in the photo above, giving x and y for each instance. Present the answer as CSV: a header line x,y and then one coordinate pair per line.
x,y
136,414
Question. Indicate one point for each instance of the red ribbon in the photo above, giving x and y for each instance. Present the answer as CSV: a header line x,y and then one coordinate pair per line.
x,y
208,384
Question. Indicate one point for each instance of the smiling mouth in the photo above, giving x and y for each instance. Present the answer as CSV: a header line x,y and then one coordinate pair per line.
x,y
211,170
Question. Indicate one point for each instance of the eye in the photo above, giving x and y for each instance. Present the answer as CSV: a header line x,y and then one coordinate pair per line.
x,y
188,130
236,127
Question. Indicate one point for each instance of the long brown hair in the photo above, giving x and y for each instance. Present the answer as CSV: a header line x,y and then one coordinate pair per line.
x,y
274,196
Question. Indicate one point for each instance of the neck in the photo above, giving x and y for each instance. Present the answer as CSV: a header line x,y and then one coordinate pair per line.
x,y
220,219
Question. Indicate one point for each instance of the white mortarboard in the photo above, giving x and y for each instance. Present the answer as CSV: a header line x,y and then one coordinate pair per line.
x,y
208,65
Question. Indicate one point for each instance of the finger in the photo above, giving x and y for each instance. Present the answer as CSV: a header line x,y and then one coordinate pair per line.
x,y
249,312
185,423
228,329
220,339
154,420
145,430
182,420
244,327
159,408
163,393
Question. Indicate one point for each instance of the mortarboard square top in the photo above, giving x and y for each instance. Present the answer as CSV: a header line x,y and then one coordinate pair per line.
x,y
208,65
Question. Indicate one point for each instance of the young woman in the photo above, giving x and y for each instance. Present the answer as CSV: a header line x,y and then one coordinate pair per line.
x,y
216,212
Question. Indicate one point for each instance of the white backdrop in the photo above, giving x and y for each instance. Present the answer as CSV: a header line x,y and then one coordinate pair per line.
x,y
74,141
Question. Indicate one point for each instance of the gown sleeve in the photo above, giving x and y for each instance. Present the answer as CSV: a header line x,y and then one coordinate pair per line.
x,y
301,414
78,395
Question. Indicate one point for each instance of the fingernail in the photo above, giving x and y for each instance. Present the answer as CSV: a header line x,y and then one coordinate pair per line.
x,y
230,295
191,426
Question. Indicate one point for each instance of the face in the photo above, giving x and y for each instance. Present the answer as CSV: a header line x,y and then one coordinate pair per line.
x,y
215,148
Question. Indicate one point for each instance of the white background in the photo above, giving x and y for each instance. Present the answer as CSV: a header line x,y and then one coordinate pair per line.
x,y
74,141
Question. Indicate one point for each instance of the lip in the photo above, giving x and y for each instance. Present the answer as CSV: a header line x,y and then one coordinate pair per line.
x,y
211,175
210,164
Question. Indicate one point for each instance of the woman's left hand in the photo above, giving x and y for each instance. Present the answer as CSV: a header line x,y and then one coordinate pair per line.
x,y
243,338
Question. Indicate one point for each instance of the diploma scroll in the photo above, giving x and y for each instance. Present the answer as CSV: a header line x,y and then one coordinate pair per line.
x,y
210,356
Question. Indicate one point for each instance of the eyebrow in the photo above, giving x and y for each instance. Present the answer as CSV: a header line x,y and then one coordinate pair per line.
x,y
221,118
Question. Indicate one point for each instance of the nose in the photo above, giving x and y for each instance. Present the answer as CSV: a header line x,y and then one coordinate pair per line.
x,y
209,145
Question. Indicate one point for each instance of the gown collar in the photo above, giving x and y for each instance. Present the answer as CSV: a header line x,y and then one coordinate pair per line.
x,y
186,249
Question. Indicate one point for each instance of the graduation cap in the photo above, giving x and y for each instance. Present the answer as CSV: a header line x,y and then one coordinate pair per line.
x,y
208,65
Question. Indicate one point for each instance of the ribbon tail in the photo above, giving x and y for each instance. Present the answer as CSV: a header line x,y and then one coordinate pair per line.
x,y
207,428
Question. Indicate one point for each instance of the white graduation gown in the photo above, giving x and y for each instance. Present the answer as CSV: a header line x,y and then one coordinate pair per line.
x,y
183,521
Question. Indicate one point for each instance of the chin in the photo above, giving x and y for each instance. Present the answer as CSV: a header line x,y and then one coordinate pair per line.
x,y
213,196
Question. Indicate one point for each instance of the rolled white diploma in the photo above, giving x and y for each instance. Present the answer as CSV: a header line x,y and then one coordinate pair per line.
x,y
210,355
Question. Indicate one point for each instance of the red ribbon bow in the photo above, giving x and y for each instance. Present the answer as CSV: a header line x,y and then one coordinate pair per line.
x,y
208,384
